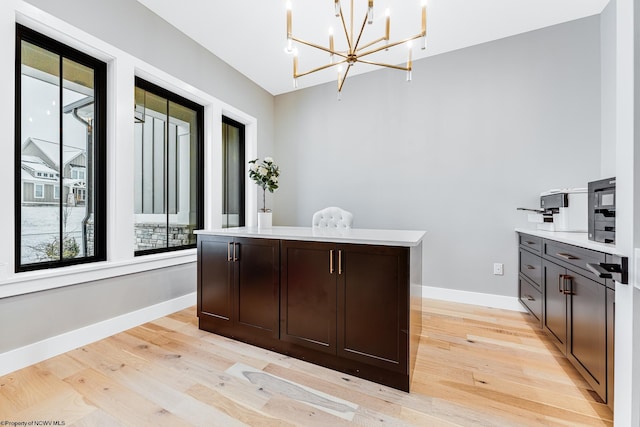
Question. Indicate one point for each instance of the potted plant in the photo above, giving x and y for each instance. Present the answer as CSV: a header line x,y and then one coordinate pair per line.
x,y
265,174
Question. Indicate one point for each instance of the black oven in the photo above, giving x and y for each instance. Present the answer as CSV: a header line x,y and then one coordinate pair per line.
x,y
602,210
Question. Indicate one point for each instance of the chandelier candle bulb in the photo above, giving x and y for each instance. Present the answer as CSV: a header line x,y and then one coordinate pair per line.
x,y
387,13
409,62
370,13
331,44
337,8
289,20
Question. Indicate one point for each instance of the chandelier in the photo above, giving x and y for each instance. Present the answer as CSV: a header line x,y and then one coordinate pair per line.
x,y
357,50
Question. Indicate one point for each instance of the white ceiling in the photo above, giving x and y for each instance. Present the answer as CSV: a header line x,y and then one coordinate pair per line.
x,y
250,35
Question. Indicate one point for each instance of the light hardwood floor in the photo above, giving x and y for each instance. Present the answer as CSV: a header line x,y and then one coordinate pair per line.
x,y
476,367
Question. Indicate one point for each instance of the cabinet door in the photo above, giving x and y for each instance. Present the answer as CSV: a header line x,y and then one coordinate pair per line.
x,y
308,295
256,263
611,318
555,304
373,303
588,331
215,291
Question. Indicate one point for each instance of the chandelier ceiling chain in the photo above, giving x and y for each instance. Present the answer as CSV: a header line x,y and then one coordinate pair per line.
x,y
355,52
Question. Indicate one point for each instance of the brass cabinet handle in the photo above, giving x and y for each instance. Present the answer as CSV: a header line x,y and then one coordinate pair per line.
x,y
529,242
561,283
566,256
331,269
570,290
529,298
339,261
530,267
229,251
236,255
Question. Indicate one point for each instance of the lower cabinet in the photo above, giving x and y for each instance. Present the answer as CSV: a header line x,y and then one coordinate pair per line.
x,y
575,307
576,319
309,293
238,287
347,300
343,306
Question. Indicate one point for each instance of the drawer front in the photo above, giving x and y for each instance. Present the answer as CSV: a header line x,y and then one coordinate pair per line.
x,y
531,297
531,266
532,243
573,256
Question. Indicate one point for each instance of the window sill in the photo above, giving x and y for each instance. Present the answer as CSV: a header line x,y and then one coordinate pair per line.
x,y
42,280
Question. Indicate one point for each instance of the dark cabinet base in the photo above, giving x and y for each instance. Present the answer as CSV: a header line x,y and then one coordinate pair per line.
x,y
352,308
386,377
575,307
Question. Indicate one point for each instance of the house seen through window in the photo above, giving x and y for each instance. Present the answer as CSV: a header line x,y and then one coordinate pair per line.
x,y
60,152
168,185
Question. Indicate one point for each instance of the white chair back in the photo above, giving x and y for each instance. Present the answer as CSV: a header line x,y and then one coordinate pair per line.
x,y
332,217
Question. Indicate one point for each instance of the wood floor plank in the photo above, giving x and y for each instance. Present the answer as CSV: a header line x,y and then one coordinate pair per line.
x,y
120,402
476,366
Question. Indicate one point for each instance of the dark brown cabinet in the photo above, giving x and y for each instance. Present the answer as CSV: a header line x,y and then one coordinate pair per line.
x,y
576,318
238,287
555,304
530,277
347,300
576,310
345,306
309,293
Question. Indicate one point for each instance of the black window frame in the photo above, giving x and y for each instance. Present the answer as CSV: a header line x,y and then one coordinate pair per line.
x,y
178,99
241,128
99,67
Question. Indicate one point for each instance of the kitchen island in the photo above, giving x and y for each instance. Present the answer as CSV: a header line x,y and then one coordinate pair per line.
x,y
346,299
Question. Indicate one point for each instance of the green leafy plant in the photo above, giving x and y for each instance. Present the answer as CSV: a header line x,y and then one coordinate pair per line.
x,y
70,248
265,174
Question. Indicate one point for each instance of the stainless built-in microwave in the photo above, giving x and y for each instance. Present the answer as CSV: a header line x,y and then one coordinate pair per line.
x,y
602,210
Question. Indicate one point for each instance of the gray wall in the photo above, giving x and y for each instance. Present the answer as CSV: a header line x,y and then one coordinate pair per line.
x,y
608,86
46,314
476,134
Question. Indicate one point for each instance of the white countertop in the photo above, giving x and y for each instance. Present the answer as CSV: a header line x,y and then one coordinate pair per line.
x,y
406,238
576,239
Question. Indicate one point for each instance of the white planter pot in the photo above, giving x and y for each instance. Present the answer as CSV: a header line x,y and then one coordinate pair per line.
x,y
264,220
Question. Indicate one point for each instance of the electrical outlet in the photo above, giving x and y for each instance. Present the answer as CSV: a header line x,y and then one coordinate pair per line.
x,y
498,268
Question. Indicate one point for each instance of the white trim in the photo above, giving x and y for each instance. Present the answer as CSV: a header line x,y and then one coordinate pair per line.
x,y
474,298
42,350
42,280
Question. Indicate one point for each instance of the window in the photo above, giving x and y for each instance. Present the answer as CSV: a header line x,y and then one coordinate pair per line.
x,y
168,184
77,173
233,173
60,122
38,191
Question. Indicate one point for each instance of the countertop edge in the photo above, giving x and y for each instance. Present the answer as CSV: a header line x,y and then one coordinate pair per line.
x,y
575,239
382,237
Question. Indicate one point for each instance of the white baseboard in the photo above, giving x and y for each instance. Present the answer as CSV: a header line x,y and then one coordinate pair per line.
x,y
475,298
37,352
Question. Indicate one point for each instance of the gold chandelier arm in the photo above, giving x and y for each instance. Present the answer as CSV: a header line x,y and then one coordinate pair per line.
x,y
364,23
381,39
344,27
379,64
317,46
319,69
343,78
389,46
